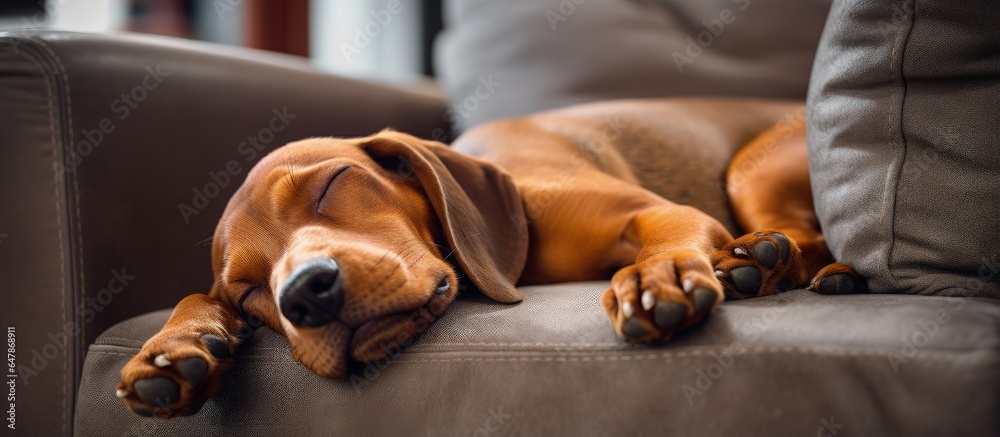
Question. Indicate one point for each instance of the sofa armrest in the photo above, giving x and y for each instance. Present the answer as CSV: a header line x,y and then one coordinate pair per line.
x,y
119,154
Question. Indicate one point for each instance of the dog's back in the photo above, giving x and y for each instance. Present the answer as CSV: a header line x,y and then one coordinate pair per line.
x,y
678,148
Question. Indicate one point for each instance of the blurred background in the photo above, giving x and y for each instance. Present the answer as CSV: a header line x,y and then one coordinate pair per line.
x,y
536,54
323,30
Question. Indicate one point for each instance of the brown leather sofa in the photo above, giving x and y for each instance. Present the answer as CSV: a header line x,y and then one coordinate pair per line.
x,y
119,153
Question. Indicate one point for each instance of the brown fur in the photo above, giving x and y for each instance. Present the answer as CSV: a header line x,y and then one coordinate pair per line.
x,y
568,195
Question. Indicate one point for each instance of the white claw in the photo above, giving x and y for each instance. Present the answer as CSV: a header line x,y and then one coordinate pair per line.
x,y
121,393
688,285
628,309
648,300
161,361
720,274
740,252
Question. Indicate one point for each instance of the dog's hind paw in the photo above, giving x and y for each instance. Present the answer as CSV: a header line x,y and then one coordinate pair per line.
x,y
758,264
837,278
651,300
175,372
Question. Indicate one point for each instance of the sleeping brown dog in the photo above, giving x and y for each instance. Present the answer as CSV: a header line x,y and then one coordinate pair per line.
x,y
352,247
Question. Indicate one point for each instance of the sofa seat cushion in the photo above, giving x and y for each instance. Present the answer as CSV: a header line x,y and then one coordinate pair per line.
x,y
795,363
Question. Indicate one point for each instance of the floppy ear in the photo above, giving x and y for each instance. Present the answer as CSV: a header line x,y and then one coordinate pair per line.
x,y
478,207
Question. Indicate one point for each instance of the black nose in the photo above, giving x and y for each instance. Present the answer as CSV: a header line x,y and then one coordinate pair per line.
x,y
313,293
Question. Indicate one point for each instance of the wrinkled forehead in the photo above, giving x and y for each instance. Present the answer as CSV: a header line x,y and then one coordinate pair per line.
x,y
306,153
289,168
278,183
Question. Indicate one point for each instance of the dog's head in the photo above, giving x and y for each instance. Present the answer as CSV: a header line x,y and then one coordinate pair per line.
x,y
349,247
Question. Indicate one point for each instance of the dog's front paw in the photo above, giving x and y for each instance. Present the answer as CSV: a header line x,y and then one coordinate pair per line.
x,y
651,300
759,264
175,372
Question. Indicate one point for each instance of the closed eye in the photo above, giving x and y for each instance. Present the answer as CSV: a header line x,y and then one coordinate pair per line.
x,y
326,190
249,291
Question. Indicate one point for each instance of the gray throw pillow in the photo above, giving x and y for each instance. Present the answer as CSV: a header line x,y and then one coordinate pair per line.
x,y
502,58
904,143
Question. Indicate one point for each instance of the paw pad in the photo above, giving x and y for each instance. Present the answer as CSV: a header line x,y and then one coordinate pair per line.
x,y
703,300
158,390
142,411
634,328
669,314
767,253
837,283
838,278
216,345
193,370
746,279
174,379
757,264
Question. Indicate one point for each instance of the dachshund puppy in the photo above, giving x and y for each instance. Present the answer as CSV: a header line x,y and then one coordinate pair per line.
x,y
351,247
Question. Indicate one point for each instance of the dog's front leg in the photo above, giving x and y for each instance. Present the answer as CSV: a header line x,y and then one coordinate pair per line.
x,y
671,286
181,366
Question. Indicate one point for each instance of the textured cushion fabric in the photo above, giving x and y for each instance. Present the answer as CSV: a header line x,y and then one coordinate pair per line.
x,y
506,58
796,363
904,137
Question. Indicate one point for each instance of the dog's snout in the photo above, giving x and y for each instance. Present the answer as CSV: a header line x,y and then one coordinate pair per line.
x,y
313,293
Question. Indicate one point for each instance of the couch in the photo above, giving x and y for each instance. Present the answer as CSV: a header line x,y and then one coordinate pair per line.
x,y
120,150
